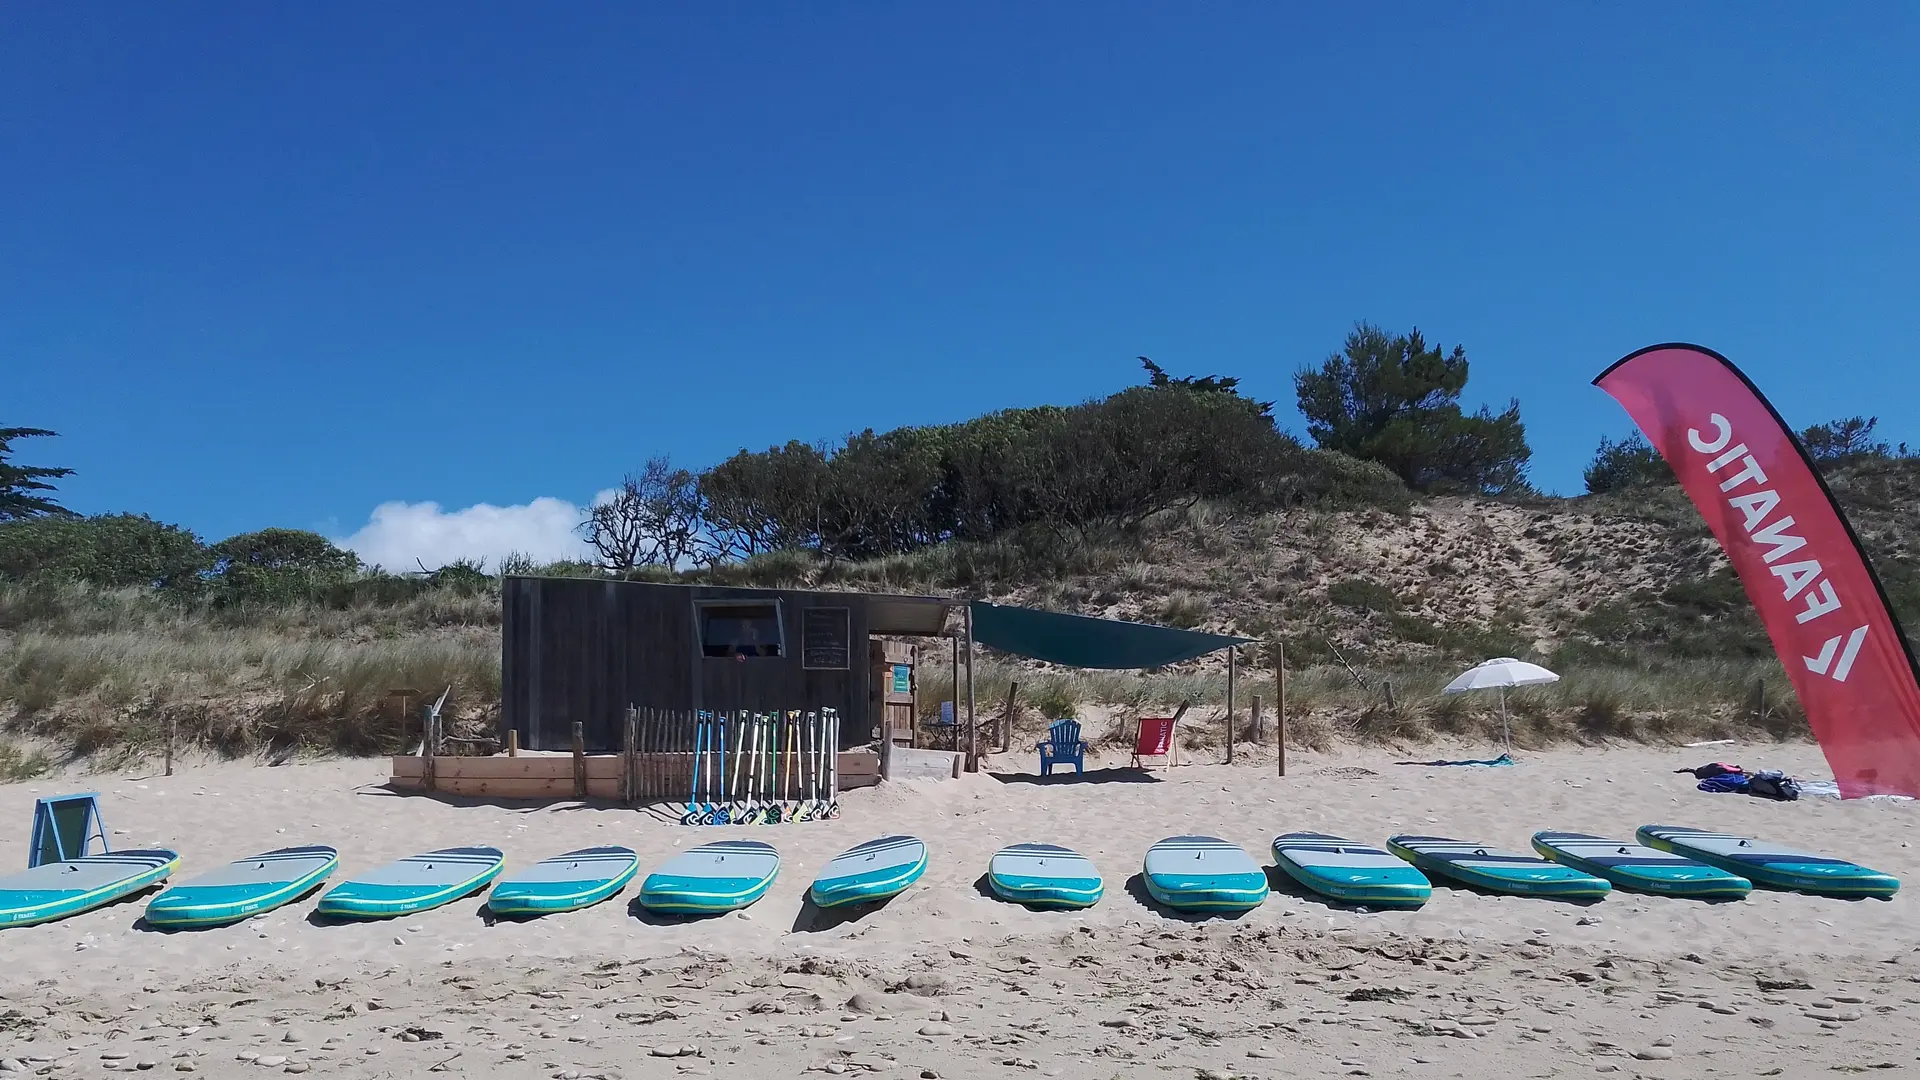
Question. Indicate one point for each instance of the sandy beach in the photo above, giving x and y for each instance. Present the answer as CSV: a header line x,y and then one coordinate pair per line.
x,y
947,981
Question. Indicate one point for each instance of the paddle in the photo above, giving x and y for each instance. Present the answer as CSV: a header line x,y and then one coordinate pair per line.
x,y
832,723
693,783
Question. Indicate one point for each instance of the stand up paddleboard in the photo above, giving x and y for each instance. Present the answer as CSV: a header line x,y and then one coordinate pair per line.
x,y
711,879
56,890
1203,873
565,882
1495,870
1771,864
249,886
1641,868
1351,873
416,883
875,870
1044,875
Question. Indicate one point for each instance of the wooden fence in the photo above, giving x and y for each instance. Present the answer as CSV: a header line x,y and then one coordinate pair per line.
x,y
668,755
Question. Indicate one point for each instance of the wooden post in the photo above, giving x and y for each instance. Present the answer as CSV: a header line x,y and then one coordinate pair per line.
x,y
170,736
579,760
886,745
1173,746
913,693
973,727
629,763
1253,722
1006,720
1389,688
1280,704
1233,677
429,747
953,737
513,742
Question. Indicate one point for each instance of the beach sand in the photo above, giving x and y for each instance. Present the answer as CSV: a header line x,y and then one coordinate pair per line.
x,y
946,981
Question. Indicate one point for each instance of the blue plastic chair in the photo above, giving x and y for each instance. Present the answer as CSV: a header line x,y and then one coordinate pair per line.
x,y
1062,745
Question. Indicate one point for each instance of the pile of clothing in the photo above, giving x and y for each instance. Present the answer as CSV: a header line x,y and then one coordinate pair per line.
x,y
1719,776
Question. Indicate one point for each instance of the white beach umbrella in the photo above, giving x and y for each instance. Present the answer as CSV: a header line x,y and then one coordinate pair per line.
x,y
1500,674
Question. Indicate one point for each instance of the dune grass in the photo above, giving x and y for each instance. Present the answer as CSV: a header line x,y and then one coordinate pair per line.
x,y
234,692
1685,701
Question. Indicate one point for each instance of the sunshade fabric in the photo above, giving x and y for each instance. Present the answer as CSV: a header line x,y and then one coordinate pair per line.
x,y
1505,671
1086,642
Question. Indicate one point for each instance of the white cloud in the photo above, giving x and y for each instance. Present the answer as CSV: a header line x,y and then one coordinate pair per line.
x,y
399,533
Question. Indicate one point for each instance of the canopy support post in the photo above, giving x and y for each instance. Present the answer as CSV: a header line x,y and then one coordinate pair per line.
x,y
973,727
1233,677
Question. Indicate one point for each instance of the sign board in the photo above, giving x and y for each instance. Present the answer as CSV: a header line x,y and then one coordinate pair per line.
x,y
902,679
826,638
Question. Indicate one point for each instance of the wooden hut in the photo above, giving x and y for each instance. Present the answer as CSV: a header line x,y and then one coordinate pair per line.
x,y
579,650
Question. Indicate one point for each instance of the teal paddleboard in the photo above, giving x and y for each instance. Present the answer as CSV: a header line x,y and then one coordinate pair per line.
x,y
1044,875
1771,864
1641,868
711,879
414,884
1340,869
56,890
243,888
566,882
1203,873
1495,870
875,870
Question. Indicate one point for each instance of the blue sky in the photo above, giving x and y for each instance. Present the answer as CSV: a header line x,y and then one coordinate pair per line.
x,y
284,264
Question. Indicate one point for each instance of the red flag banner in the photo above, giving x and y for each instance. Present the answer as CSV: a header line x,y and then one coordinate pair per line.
x,y
1799,559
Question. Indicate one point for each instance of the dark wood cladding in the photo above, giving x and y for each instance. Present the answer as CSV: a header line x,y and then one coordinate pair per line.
x,y
577,649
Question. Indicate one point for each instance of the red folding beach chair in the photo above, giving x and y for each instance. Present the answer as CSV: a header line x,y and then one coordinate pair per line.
x,y
1154,738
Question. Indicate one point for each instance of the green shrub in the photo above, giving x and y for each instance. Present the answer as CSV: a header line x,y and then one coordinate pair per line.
x,y
1362,595
1183,609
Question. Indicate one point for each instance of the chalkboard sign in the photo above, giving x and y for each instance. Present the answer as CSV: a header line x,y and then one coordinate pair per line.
x,y
826,638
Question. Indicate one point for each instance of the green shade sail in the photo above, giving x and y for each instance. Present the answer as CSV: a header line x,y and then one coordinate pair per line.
x,y
1086,642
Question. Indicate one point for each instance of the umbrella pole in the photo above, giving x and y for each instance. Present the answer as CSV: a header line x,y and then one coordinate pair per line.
x,y
1506,735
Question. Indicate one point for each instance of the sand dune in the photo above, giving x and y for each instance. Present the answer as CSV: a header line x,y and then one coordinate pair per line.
x,y
947,981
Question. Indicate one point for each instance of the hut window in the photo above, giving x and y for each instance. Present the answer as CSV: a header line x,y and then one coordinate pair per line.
x,y
734,630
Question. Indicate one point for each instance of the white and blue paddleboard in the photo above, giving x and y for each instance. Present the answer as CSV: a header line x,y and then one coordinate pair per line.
x,y
1641,868
56,890
1351,873
1203,873
723,876
565,882
415,883
1497,871
876,870
1771,864
239,889
1044,875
